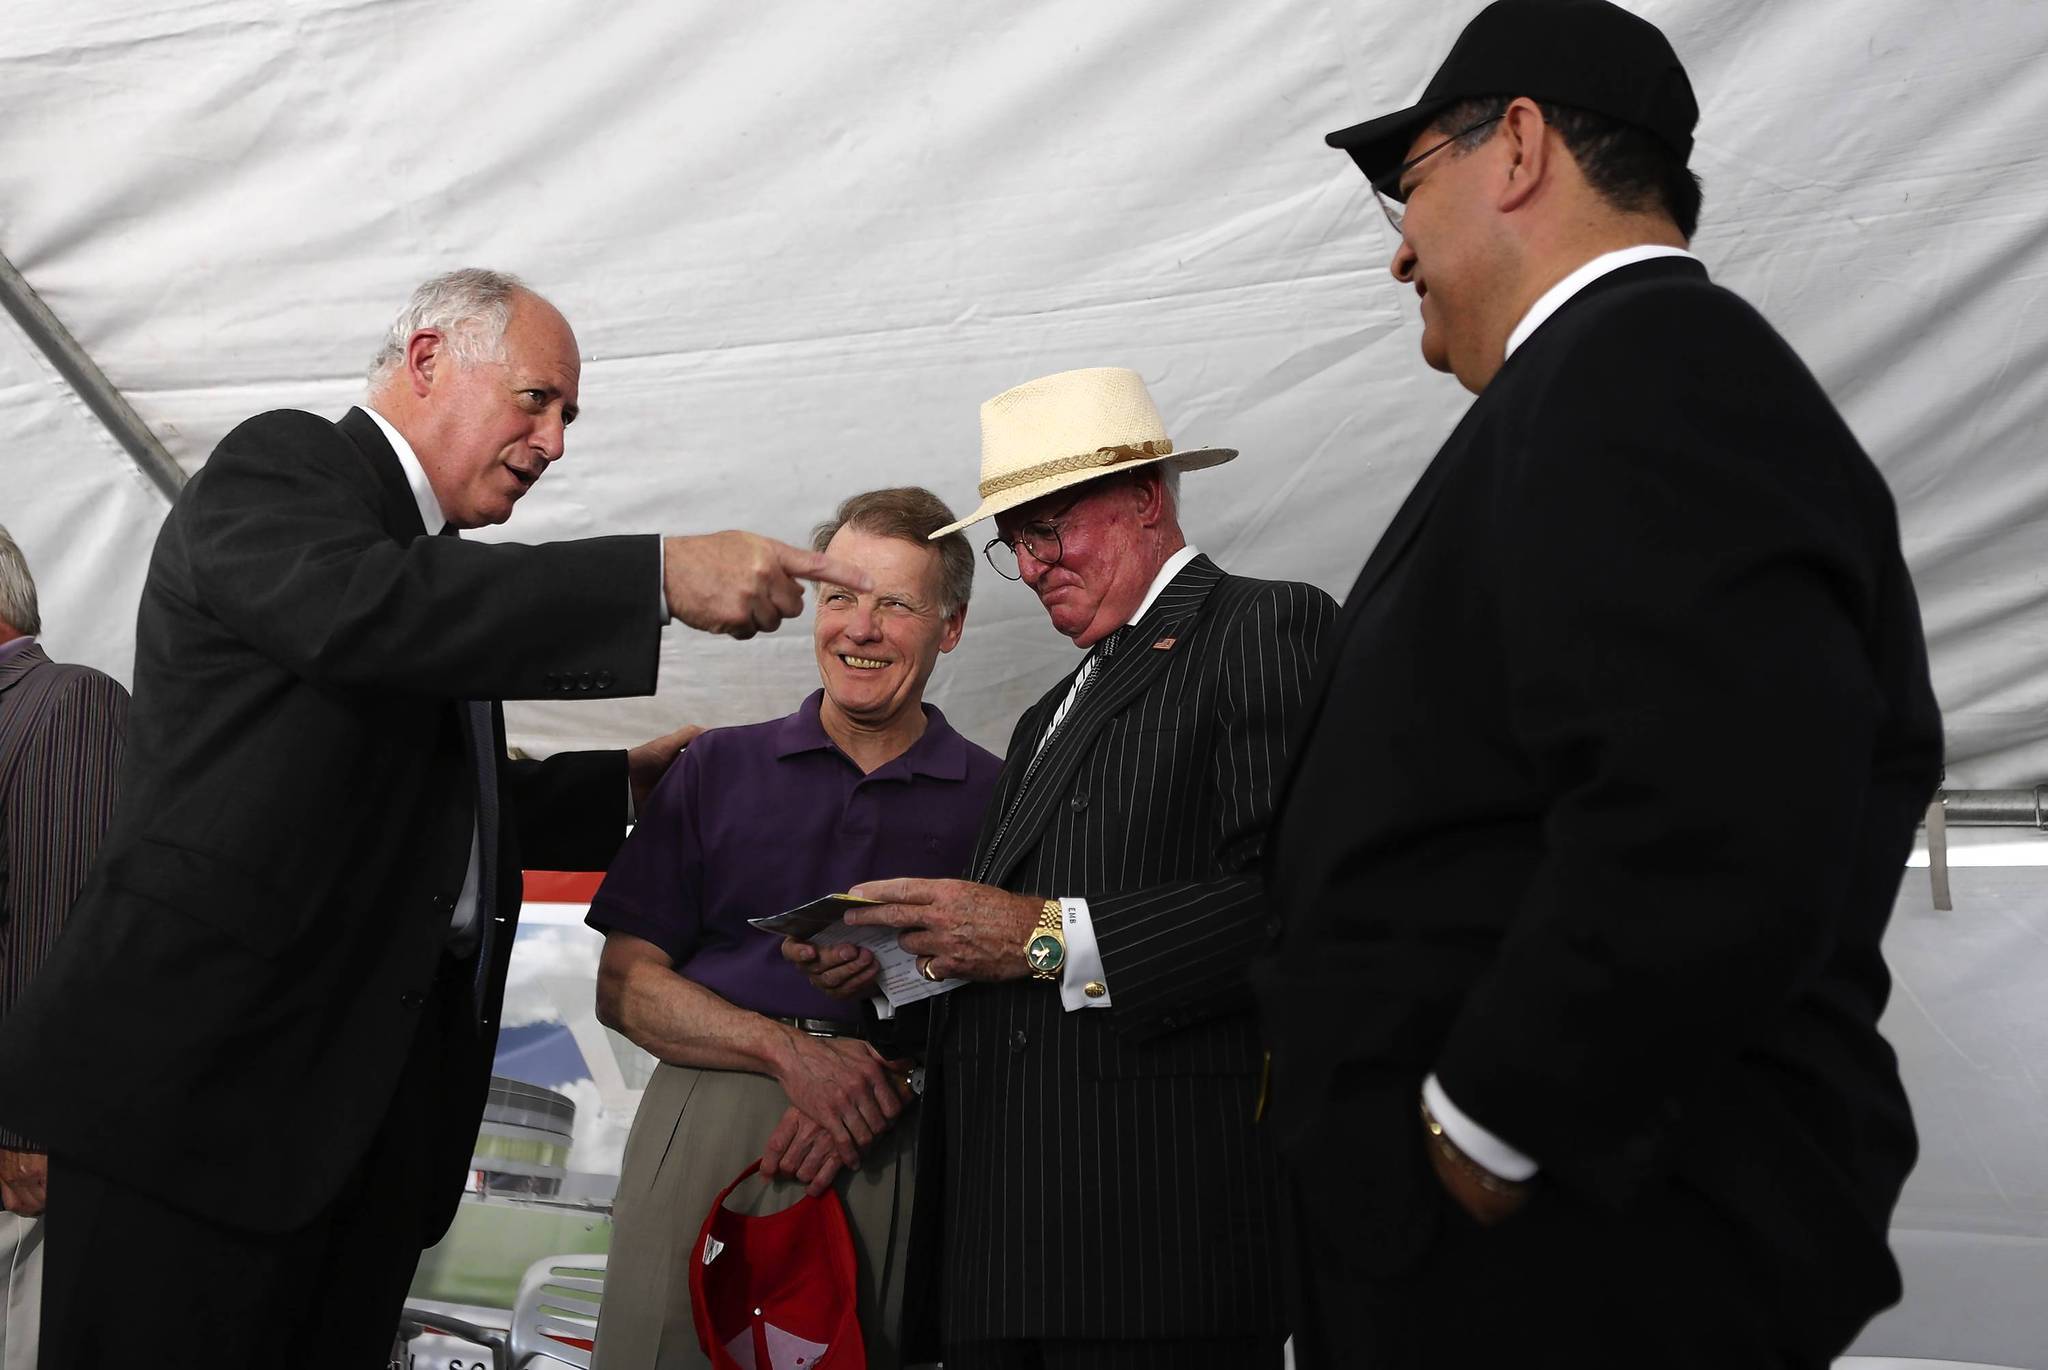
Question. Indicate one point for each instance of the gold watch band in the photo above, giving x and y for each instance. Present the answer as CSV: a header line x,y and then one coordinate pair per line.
x,y
1051,921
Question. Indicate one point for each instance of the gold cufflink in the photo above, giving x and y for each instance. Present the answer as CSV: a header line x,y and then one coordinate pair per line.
x,y
1095,989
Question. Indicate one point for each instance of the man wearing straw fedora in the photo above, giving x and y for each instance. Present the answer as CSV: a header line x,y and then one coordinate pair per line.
x,y
1585,987
1097,1193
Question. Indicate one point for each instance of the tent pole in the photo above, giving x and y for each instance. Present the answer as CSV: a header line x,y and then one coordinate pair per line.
x,y
77,367
1995,808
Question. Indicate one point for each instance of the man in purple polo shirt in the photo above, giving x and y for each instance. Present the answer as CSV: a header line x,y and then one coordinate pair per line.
x,y
863,780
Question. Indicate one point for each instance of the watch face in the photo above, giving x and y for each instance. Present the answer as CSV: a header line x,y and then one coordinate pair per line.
x,y
1045,952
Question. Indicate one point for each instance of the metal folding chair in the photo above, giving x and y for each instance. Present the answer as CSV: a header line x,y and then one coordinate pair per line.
x,y
555,1320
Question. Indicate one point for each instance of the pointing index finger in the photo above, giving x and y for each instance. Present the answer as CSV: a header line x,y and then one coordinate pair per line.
x,y
818,566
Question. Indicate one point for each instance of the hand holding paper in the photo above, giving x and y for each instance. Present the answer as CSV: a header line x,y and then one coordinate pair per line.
x,y
971,932
850,961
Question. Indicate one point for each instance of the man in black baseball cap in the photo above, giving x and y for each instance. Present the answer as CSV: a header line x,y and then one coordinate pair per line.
x,y
1593,1030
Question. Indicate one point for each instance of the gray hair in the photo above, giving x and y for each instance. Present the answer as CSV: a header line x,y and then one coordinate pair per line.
x,y
17,590
470,307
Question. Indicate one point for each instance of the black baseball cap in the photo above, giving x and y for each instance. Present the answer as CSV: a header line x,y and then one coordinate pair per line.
x,y
1587,54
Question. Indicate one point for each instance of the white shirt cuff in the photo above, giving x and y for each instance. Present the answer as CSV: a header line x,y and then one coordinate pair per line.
x,y
1082,970
883,1008
1472,1139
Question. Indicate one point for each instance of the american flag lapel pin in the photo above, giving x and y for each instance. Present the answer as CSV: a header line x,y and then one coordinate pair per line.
x,y
1165,644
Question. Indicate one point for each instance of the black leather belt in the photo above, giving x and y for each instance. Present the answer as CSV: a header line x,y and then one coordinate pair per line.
x,y
818,1027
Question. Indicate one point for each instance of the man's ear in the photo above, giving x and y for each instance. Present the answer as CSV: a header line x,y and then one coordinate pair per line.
x,y
956,623
424,359
1522,131
1150,492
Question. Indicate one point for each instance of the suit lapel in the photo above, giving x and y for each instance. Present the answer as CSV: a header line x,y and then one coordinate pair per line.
x,y
1120,679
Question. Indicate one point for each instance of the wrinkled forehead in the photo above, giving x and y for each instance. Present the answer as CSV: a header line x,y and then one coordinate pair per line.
x,y
892,562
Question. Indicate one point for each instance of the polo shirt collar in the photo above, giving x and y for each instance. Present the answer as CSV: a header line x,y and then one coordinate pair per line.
x,y
940,753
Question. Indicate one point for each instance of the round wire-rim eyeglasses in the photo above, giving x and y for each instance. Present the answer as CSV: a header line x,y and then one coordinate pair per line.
x,y
1041,540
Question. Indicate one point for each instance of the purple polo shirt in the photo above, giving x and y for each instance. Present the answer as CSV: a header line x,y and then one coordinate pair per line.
x,y
755,820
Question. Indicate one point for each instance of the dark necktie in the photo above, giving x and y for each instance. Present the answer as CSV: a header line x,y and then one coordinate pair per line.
x,y
483,748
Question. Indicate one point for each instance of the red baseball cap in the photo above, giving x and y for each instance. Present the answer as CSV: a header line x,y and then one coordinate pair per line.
x,y
777,1291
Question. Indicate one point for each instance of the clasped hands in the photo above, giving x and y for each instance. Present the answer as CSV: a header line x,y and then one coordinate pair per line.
x,y
957,929
842,1095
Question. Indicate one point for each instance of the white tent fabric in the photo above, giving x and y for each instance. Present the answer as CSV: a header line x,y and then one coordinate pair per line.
x,y
802,241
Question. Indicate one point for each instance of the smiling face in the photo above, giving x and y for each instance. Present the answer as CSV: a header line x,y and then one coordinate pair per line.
x,y
876,650
1450,253
491,429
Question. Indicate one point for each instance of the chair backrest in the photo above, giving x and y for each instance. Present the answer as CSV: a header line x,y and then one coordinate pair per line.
x,y
555,1318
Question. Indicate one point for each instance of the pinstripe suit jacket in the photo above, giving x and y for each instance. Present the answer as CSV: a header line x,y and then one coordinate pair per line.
x,y
61,729
1101,1173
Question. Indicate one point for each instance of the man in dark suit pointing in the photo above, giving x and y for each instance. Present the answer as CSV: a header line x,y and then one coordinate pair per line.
x,y
1608,782
259,1054
1093,1190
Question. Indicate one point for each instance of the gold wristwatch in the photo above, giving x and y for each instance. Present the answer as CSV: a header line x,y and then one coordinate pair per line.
x,y
1046,952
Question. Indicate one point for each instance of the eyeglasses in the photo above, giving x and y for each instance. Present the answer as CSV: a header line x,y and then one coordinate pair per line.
x,y
1041,540
1387,189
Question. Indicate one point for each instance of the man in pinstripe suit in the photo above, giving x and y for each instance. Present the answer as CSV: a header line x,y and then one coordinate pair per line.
x,y
1101,1195
61,729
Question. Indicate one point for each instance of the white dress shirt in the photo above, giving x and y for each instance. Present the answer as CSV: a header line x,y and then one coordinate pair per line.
x,y
462,923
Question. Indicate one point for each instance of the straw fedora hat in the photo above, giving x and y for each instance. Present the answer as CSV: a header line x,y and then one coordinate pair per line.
x,y
1060,430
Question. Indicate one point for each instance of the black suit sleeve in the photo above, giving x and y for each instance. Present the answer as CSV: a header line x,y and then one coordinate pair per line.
x,y
570,809
289,551
1697,521
1176,953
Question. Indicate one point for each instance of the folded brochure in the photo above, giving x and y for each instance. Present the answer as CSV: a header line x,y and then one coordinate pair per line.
x,y
818,922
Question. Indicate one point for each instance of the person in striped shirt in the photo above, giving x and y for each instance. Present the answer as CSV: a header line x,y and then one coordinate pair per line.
x,y
61,729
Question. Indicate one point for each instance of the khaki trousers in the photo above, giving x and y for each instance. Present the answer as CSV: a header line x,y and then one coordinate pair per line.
x,y
21,1294
695,1130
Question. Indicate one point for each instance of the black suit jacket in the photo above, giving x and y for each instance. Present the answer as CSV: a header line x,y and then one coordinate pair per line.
x,y
60,758
241,981
1610,779
1100,1174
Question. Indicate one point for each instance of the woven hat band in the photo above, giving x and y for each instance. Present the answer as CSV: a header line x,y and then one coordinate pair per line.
x,y
1060,466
